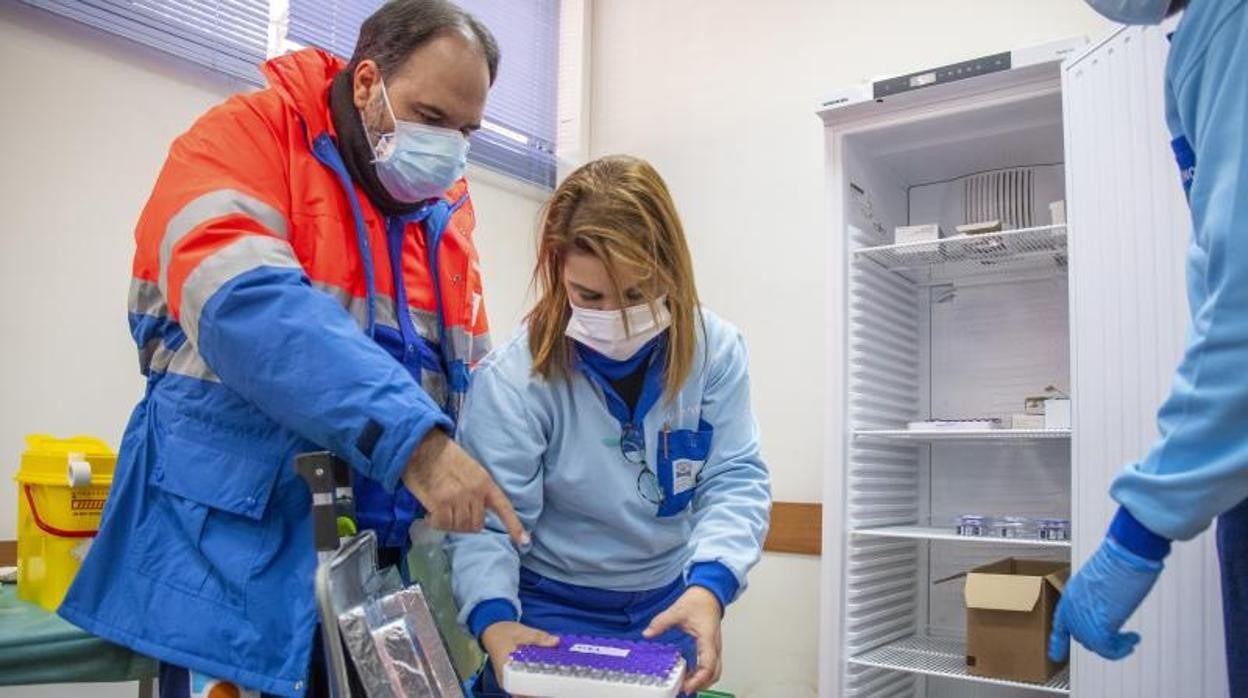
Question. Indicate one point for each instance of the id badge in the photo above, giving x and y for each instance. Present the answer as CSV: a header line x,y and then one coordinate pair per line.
x,y
685,474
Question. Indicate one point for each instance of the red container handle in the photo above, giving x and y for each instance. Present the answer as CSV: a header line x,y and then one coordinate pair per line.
x,y
48,528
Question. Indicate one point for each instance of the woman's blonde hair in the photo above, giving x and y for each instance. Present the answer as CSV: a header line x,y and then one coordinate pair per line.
x,y
617,209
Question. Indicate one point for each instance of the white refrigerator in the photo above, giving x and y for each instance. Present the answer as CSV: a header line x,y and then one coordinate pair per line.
x,y
1085,299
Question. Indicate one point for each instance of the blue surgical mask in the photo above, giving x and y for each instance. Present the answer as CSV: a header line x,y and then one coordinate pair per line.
x,y
416,162
1133,11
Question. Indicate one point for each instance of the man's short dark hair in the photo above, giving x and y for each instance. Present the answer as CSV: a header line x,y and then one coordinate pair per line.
x,y
400,27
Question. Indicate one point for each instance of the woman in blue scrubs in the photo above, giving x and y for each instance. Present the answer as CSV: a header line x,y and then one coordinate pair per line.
x,y
618,422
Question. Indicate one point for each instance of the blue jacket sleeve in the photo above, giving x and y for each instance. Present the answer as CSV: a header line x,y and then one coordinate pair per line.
x,y
295,353
1199,466
503,432
732,502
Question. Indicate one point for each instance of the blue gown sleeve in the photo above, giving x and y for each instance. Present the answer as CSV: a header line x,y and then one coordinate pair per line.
x,y
499,429
732,504
1199,466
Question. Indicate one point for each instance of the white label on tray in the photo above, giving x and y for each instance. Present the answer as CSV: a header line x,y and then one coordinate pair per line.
x,y
599,649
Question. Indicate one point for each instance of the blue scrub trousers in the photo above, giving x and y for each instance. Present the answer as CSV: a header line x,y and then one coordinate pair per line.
x,y
567,609
1233,553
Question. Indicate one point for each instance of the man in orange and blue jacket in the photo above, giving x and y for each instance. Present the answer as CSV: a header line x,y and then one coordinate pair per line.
x,y
305,279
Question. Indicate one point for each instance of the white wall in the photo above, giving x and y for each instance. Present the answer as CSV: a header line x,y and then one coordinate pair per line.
x,y
720,96
81,148
83,132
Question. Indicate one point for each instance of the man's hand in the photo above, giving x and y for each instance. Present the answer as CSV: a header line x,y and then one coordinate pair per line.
x,y
697,612
456,490
501,639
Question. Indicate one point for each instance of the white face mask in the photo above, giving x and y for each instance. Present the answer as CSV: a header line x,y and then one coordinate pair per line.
x,y
604,332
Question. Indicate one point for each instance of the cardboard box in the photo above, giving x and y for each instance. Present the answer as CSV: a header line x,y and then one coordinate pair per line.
x,y
980,228
1009,615
990,245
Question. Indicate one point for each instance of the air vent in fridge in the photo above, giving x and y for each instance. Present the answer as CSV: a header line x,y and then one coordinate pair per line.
x,y
1004,195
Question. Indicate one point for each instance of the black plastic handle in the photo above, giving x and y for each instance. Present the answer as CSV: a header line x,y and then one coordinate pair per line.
x,y
320,470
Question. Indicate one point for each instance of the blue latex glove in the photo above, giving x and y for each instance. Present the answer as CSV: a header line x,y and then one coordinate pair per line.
x,y
1099,599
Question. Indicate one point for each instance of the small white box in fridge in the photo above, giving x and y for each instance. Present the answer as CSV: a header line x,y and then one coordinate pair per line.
x,y
1057,413
910,234
1057,212
1027,421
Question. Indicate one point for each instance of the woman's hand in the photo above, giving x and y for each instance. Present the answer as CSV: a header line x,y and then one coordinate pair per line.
x,y
697,612
501,639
